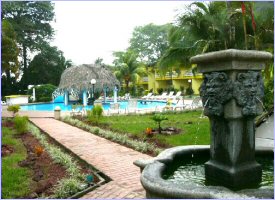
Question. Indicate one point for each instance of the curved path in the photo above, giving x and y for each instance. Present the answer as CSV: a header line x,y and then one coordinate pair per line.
x,y
112,159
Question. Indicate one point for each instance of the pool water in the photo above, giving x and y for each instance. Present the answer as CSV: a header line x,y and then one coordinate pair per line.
x,y
106,106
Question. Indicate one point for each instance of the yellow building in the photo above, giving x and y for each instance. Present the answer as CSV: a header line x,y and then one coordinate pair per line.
x,y
180,78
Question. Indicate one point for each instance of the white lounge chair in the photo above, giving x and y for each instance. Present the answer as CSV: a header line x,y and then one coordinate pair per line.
x,y
169,96
162,96
175,97
147,96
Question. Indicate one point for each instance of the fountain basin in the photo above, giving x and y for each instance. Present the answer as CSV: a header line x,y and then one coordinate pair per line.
x,y
156,186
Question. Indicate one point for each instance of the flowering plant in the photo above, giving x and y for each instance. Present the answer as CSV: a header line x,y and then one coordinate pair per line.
x,y
38,150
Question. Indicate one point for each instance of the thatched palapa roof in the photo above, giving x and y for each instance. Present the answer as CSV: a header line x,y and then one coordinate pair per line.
x,y
78,78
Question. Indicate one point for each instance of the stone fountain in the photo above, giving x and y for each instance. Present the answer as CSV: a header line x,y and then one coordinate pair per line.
x,y
231,92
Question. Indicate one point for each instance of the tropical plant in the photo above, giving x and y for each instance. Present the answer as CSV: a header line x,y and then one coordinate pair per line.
x,y
21,124
96,113
127,68
14,109
214,26
158,118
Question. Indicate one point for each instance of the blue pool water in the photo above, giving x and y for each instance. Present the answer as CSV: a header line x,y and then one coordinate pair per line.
x,y
106,106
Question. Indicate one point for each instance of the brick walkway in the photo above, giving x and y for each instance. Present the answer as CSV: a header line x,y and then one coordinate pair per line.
x,y
112,159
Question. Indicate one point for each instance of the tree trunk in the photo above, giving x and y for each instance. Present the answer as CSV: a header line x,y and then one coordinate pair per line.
x,y
24,58
25,74
127,86
159,128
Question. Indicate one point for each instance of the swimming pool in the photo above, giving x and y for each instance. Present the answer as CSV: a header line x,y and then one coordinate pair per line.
x,y
106,106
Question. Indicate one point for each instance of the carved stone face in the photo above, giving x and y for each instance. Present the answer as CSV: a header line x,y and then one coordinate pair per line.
x,y
215,90
248,92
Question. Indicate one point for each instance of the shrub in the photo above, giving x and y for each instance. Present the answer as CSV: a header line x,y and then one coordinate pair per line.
x,y
160,90
189,91
67,187
14,109
43,93
158,118
21,124
95,113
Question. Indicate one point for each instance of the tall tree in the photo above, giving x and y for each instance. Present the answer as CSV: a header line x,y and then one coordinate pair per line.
x,y
127,67
51,63
149,42
31,22
9,58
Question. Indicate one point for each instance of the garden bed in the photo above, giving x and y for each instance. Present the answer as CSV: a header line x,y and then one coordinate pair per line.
x,y
45,172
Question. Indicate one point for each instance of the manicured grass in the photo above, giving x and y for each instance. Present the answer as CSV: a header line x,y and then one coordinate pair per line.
x,y
15,180
195,130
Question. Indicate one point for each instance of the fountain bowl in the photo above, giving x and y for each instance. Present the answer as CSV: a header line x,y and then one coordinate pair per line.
x,y
152,172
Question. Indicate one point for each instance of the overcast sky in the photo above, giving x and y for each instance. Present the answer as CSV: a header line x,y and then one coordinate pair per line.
x,y
86,30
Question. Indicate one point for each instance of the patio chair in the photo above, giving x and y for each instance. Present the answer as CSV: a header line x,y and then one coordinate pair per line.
x,y
132,106
196,103
175,97
162,96
167,97
147,96
76,110
114,108
180,105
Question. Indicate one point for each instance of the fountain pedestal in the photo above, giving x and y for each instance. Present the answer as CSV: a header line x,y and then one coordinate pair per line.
x,y
231,93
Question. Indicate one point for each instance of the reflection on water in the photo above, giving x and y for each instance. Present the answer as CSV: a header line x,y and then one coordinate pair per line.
x,y
188,171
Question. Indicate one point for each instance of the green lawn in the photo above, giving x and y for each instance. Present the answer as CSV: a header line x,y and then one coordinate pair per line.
x,y
195,130
15,180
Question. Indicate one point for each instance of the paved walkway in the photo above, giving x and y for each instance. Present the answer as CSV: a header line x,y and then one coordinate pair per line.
x,y
112,159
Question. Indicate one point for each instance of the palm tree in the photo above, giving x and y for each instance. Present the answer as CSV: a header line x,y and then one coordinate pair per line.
x,y
127,68
202,28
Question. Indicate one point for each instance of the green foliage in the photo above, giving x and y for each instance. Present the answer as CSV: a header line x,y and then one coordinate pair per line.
x,y
189,91
160,90
113,136
15,180
43,93
31,21
51,63
269,95
195,130
97,111
218,25
9,58
67,188
127,68
149,42
21,124
158,118
14,109
95,114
